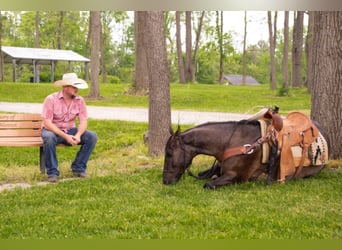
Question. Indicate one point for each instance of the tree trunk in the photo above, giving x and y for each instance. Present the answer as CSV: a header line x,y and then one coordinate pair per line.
x,y
297,50
244,54
159,88
179,49
59,29
195,55
37,45
59,34
88,41
95,54
272,39
326,98
286,52
309,51
188,47
219,31
103,40
141,79
1,56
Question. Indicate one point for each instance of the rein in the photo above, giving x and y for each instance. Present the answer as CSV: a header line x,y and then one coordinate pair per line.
x,y
243,150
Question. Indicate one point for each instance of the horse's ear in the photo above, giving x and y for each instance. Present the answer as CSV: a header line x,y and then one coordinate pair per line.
x,y
178,130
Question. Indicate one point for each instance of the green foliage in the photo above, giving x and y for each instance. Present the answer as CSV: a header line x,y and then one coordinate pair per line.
x,y
113,79
283,91
208,64
118,42
125,74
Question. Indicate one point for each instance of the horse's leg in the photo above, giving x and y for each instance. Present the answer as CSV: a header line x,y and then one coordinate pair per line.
x,y
310,171
224,179
215,169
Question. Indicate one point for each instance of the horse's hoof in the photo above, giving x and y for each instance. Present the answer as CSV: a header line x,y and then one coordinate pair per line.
x,y
208,185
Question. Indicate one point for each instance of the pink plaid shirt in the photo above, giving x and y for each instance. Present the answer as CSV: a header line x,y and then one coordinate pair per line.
x,y
56,110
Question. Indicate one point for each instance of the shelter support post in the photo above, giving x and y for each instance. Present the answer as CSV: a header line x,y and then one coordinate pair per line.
x,y
86,68
34,71
14,63
52,71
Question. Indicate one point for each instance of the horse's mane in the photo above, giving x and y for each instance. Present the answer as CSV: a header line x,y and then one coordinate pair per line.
x,y
241,122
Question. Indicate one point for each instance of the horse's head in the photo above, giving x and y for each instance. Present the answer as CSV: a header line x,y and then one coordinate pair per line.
x,y
177,159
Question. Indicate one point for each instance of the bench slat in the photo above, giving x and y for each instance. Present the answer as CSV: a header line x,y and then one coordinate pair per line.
x,y
21,139
20,124
20,117
19,132
21,143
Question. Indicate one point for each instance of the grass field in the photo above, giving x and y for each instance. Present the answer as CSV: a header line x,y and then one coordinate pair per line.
x,y
200,97
124,198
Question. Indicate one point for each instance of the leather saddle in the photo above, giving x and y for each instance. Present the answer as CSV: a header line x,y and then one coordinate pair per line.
x,y
295,130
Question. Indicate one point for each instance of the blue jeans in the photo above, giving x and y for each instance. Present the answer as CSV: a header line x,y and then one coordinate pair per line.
x,y
79,165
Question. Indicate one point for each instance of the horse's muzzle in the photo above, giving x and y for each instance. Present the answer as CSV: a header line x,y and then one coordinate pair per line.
x,y
168,181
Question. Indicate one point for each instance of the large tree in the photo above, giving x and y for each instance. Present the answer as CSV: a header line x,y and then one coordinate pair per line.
x,y
286,51
309,51
272,40
37,45
297,49
181,73
198,32
95,31
159,85
1,58
188,47
244,52
326,98
141,80
219,31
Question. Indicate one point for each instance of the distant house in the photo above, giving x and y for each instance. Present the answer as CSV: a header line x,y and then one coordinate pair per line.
x,y
237,80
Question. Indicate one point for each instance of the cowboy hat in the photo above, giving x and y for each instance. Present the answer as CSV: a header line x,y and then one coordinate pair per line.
x,y
71,79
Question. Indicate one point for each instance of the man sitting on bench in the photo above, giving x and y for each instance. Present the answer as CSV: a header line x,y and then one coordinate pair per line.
x,y
60,110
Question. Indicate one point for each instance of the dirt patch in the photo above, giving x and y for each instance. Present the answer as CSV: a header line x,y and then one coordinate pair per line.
x,y
11,186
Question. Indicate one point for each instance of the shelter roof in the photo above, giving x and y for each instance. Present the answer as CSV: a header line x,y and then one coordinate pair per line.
x,y
41,56
237,80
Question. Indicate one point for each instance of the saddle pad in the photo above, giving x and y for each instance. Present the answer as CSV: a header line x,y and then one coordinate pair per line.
x,y
317,153
265,146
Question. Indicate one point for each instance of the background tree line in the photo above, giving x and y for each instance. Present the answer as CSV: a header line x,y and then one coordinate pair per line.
x,y
146,53
198,49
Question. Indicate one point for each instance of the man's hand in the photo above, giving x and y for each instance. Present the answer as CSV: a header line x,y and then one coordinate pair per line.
x,y
77,139
72,140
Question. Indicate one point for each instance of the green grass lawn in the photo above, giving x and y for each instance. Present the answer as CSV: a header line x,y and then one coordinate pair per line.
x,y
124,198
201,97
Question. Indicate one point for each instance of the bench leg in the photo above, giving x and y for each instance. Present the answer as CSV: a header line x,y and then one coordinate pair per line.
x,y
42,161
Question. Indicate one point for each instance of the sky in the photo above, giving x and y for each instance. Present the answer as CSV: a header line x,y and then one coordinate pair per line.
x,y
257,28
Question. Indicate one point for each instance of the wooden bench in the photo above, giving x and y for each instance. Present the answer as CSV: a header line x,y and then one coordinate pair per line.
x,y
22,130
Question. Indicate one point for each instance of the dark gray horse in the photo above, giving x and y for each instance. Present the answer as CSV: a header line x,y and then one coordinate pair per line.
x,y
214,139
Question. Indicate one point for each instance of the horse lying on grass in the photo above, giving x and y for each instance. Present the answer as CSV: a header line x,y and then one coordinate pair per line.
x,y
236,145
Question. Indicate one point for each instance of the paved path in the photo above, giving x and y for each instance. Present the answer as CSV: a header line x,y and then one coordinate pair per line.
x,y
132,114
